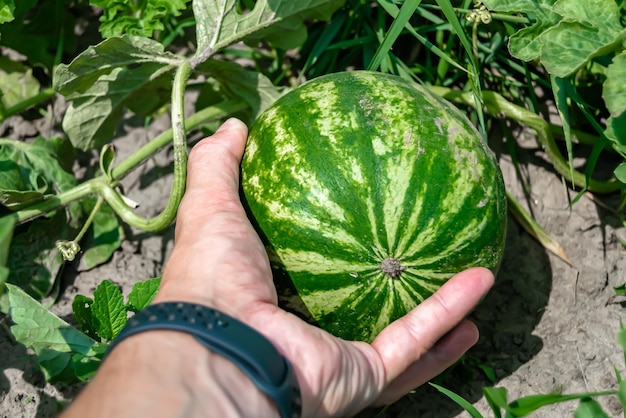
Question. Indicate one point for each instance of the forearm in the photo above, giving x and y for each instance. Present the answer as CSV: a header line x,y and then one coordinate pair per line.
x,y
169,374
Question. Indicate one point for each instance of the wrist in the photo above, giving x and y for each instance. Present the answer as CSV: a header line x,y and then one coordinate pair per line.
x,y
169,374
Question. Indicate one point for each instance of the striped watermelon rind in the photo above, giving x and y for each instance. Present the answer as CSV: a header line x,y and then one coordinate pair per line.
x,y
371,192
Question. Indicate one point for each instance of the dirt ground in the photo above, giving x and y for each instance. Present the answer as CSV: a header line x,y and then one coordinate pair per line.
x,y
546,326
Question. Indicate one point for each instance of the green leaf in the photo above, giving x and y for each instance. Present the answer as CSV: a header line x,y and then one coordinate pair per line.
x,y
621,289
32,170
251,86
127,71
528,404
602,14
400,20
616,132
560,88
142,294
107,158
136,18
621,393
17,86
7,7
53,340
108,310
83,313
85,367
99,60
565,34
614,88
463,403
104,237
497,399
589,408
569,45
620,174
526,44
279,22
91,119
34,262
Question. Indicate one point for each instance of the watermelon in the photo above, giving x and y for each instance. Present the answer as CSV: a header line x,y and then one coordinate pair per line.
x,y
370,193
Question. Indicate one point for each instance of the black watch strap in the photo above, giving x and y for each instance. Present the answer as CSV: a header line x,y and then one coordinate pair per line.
x,y
244,346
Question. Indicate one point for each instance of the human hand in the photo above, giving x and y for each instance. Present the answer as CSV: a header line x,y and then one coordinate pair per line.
x,y
218,260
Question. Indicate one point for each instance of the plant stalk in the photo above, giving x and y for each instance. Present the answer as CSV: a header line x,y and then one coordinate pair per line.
x,y
498,106
43,95
97,184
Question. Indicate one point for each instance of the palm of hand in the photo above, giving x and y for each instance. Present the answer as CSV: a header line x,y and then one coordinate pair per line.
x,y
218,260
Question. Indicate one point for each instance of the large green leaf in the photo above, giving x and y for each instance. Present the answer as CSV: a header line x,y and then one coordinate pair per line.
x,y
280,22
120,72
53,340
526,44
91,119
32,170
119,52
569,45
614,89
564,34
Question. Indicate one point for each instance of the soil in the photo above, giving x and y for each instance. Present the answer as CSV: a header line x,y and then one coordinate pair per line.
x,y
547,326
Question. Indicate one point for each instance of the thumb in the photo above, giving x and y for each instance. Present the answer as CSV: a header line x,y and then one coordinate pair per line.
x,y
213,174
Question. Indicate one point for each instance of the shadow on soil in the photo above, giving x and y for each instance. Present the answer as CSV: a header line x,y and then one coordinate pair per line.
x,y
506,319
15,356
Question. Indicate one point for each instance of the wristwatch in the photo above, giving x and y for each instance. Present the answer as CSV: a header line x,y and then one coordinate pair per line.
x,y
255,355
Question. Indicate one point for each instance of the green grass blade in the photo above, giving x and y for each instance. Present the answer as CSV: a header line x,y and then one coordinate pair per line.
x,y
394,11
402,18
589,408
459,401
559,88
533,228
528,404
323,41
450,14
497,399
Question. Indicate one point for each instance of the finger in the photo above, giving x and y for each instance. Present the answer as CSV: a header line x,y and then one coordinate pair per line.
x,y
443,355
213,175
408,339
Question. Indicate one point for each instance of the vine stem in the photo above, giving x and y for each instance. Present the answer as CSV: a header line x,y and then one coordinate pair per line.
x,y
498,106
43,95
98,184
167,215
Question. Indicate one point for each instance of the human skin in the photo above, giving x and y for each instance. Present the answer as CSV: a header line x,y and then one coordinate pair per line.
x,y
218,260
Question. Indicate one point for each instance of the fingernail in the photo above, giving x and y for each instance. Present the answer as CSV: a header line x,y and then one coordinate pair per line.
x,y
229,124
